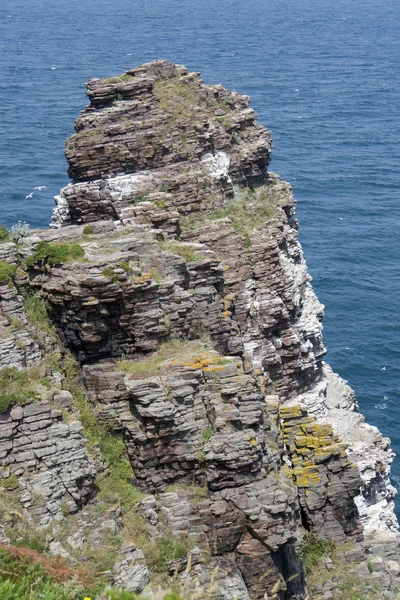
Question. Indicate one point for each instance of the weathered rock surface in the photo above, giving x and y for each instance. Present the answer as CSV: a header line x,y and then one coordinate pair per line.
x,y
49,459
198,334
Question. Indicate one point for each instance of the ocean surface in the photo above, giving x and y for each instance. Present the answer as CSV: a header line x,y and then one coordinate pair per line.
x,y
324,77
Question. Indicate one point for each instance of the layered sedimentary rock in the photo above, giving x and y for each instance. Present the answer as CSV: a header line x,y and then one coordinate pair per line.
x,y
198,334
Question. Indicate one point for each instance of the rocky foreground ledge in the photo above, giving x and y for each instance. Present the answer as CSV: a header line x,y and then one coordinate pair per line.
x,y
166,414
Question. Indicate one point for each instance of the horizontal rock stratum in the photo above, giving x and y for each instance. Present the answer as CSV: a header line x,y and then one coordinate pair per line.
x,y
166,410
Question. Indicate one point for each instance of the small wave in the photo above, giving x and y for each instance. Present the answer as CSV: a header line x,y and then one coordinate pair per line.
x,y
381,406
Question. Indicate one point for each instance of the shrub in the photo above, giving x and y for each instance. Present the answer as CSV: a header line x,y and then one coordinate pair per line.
x,y
4,233
313,549
56,253
7,271
37,314
19,231
88,229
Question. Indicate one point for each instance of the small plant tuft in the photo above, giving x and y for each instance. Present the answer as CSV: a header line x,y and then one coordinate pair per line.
x,y
56,253
17,387
37,313
313,549
207,434
11,483
188,252
7,271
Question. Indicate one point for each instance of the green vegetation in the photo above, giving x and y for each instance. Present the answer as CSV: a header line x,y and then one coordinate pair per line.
x,y
201,455
207,434
158,362
348,585
156,274
27,580
7,271
15,324
140,198
11,483
313,549
197,492
4,234
125,266
118,78
177,98
25,574
166,549
110,273
114,484
160,203
56,253
189,252
88,230
114,488
37,314
120,595
247,211
18,387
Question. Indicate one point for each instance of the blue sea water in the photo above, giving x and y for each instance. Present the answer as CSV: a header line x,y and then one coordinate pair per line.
x,y
323,76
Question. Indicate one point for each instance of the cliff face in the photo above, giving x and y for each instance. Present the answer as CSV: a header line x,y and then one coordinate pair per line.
x,y
174,275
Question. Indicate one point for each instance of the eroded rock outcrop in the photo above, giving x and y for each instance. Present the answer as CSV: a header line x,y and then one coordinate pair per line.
x,y
174,275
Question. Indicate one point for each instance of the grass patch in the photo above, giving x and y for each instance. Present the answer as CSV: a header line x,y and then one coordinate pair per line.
x,y
37,313
56,253
156,274
188,252
28,580
125,266
207,434
88,230
7,271
166,549
313,549
177,98
347,584
118,78
11,483
160,203
140,198
18,387
158,362
197,492
110,273
249,210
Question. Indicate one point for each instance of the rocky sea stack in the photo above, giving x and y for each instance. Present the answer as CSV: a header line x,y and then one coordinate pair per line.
x,y
166,414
